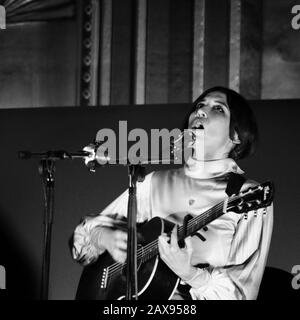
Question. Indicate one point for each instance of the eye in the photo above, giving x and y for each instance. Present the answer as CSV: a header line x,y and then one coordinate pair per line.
x,y
219,108
199,106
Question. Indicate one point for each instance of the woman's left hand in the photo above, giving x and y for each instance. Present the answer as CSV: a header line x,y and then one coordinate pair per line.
x,y
177,259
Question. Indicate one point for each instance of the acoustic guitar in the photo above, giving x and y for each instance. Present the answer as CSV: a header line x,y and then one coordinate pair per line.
x,y
105,279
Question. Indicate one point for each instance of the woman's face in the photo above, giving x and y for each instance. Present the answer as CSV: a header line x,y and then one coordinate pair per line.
x,y
210,121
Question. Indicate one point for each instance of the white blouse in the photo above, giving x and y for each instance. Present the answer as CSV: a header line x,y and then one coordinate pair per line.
x,y
236,245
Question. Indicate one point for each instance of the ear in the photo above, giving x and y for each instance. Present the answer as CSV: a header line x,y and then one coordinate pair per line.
x,y
236,139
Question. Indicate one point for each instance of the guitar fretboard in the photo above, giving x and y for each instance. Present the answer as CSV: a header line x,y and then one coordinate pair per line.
x,y
151,249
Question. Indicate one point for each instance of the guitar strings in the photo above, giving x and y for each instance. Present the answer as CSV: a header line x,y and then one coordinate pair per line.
x,y
118,267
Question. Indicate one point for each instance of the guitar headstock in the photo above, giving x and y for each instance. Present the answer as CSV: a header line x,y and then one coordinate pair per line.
x,y
252,199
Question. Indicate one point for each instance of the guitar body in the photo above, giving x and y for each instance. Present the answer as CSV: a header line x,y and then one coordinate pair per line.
x,y
155,280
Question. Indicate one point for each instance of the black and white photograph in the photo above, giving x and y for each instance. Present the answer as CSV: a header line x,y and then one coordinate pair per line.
x,y
149,152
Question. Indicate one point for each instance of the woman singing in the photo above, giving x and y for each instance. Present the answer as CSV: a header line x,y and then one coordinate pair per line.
x,y
227,259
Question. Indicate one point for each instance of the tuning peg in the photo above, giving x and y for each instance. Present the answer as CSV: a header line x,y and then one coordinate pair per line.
x,y
200,236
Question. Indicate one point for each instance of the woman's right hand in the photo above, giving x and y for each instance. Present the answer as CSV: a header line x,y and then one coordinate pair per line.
x,y
115,242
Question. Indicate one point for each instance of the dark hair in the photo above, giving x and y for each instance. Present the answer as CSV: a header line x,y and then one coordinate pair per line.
x,y
242,120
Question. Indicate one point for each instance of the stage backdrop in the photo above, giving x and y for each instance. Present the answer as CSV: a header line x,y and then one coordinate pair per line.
x,y
79,192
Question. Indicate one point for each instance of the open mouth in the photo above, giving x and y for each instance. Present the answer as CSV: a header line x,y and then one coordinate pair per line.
x,y
198,126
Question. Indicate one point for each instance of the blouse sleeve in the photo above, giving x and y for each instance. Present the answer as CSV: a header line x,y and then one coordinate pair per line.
x,y
240,278
85,241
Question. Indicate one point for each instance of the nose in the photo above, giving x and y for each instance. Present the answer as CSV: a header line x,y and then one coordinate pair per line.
x,y
201,113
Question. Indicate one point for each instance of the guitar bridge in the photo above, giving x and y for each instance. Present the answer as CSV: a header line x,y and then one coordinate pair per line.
x,y
104,278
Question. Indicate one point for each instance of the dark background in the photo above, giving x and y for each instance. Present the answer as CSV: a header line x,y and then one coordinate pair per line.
x,y
79,192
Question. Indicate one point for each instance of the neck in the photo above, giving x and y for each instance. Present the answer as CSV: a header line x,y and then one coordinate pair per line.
x,y
210,168
209,156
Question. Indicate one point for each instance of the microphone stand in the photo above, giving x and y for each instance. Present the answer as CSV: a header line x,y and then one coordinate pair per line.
x,y
46,170
136,174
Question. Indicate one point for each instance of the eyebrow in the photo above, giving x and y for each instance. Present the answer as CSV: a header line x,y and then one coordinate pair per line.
x,y
218,101
224,104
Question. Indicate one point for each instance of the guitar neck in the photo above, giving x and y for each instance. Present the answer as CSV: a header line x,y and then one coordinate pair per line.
x,y
193,225
201,221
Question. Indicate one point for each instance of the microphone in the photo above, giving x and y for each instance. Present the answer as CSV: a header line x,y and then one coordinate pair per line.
x,y
98,155
95,154
52,155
